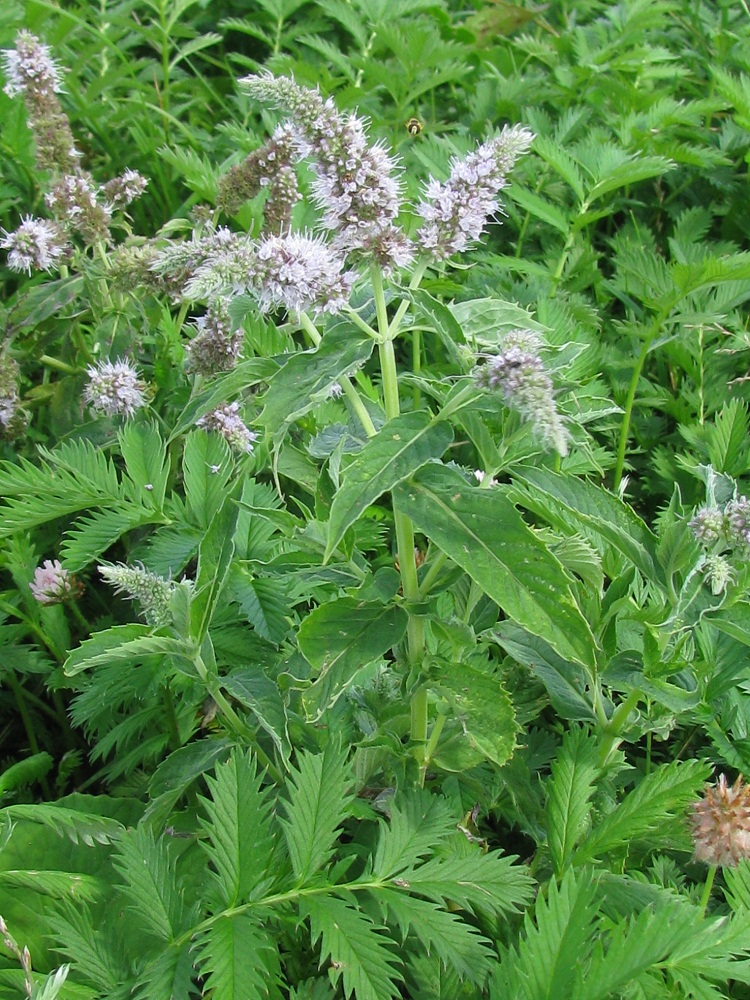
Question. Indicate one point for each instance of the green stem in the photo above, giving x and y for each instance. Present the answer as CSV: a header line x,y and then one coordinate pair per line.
x,y
345,382
707,887
433,570
630,399
58,365
431,745
616,724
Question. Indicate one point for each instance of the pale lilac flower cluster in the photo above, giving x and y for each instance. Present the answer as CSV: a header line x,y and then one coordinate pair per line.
x,y
727,527
126,188
36,245
32,73
299,272
115,388
52,584
269,168
217,346
226,421
519,375
457,211
30,68
355,184
75,201
296,272
152,592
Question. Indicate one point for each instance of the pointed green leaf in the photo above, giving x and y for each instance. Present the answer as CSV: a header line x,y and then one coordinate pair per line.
x,y
359,950
317,805
262,696
483,532
307,376
150,883
569,790
238,958
145,456
419,821
207,467
402,446
662,795
580,505
483,708
458,944
214,560
342,637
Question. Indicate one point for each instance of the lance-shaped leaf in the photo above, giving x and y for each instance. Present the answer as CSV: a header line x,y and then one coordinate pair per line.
x,y
404,445
307,376
342,637
483,532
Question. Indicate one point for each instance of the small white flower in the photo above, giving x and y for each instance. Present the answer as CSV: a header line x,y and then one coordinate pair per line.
x,y
35,245
114,388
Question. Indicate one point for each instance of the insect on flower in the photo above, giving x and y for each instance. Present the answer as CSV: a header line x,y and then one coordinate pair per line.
x,y
414,126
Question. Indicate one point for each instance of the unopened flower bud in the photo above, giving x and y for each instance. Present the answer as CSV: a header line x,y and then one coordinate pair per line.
x,y
151,591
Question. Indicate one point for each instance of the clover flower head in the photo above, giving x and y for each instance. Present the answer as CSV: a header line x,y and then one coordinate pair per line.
x,y
456,212
114,388
301,272
152,592
520,376
226,421
721,823
217,347
30,68
52,584
36,245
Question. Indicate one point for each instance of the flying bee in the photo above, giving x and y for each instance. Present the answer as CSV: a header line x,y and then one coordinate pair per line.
x,y
414,126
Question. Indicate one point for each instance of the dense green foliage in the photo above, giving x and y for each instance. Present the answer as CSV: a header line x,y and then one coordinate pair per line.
x,y
360,722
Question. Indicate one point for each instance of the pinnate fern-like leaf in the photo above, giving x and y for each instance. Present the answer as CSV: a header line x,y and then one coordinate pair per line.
x,y
240,838
239,959
662,795
549,956
569,792
418,822
459,945
487,882
357,947
151,883
315,809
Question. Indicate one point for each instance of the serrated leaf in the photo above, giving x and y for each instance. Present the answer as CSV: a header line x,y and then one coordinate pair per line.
x,y
121,642
569,789
317,804
401,447
238,958
214,562
77,826
661,796
238,827
59,885
207,467
540,208
459,944
262,696
343,637
488,882
482,706
419,820
358,948
151,883
145,456
486,321
554,949
483,532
